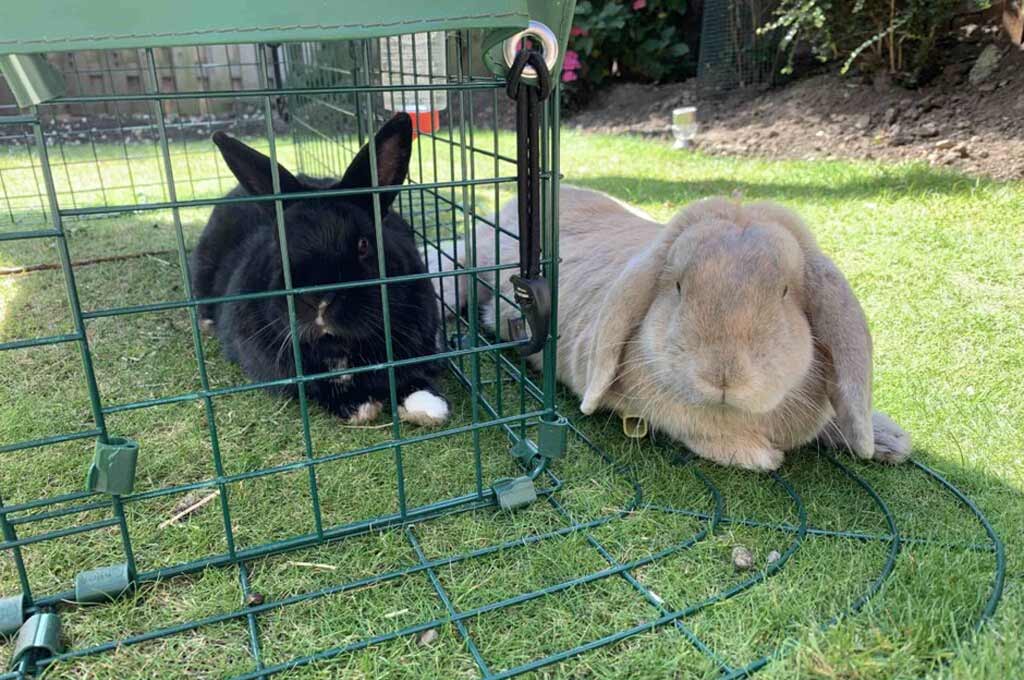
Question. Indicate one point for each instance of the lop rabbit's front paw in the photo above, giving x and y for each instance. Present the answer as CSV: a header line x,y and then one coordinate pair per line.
x,y
746,455
759,460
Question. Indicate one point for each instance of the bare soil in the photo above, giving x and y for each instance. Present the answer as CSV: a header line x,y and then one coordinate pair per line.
x,y
976,127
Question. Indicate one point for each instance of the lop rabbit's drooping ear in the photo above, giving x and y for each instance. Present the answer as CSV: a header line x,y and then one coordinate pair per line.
x,y
625,304
393,147
840,331
840,328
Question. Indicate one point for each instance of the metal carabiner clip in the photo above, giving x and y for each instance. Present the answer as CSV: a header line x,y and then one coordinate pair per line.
x,y
534,299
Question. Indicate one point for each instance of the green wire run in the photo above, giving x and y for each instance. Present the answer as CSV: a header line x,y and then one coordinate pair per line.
x,y
334,107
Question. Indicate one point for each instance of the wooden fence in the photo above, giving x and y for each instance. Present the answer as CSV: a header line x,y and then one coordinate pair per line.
x,y
179,69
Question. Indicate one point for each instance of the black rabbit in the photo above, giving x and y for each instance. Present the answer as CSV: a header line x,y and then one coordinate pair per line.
x,y
330,240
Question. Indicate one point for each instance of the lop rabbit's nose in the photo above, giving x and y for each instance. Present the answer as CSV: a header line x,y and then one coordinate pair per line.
x,y
717,380
722,381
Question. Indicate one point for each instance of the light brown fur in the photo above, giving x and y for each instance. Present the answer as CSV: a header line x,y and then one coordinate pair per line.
x,y
727,328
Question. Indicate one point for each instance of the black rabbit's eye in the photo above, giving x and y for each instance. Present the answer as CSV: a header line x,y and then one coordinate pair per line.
x,y
785,289
679,288
364,247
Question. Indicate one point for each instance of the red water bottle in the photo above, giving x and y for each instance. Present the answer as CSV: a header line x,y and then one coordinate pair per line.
x,y
420,60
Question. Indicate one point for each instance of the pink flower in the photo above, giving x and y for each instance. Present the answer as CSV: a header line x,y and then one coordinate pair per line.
x,y
572,60
639,4
569,76
576,30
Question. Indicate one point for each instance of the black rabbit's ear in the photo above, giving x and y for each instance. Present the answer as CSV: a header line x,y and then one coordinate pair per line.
x,y
252,169
393,144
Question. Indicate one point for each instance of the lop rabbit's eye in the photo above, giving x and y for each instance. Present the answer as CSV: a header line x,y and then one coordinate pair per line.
x,y
364,247
785,289
679,288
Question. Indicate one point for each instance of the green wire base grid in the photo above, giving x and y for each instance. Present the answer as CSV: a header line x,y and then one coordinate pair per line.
x,y
669,616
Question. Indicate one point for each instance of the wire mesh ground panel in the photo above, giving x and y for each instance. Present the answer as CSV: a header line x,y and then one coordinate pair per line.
x,y
262,535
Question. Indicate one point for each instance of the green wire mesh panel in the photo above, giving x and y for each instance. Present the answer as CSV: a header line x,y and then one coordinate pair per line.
x,y
733,52
245,535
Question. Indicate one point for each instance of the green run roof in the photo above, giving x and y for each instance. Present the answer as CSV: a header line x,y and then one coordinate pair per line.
x,y
31,26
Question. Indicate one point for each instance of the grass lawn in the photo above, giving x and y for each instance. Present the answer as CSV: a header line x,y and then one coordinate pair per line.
x,y
937,260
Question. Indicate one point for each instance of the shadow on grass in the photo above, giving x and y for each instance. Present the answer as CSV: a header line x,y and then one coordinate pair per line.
x,y
905,180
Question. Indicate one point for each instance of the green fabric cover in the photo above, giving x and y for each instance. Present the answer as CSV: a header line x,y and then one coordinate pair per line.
x,y
65,25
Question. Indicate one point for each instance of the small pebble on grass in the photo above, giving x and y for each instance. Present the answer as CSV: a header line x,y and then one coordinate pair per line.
x,y
742,558
427,637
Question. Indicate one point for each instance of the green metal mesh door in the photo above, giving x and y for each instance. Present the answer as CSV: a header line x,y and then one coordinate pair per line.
x,y
125,156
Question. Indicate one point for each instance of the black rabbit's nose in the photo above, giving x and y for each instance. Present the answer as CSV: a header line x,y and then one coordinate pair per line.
x,y
320,311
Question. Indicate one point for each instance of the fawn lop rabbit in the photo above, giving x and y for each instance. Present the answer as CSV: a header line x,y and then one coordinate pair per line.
x,y
727,328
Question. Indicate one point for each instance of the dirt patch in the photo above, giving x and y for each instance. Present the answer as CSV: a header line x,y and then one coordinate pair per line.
x,y
959,120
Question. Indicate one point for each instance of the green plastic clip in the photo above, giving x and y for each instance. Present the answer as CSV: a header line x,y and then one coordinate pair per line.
x,y
113,467
12,614
32,79
102,584
514,493
524,450
39,638
552,437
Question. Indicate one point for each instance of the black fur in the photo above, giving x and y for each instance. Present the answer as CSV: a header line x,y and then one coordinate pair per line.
x,y
330,240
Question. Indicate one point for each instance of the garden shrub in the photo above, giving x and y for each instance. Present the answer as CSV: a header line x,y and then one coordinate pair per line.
x,y
638,40
898,36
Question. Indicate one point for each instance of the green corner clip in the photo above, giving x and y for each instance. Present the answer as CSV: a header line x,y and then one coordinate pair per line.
x,y
113,467
552,437
524,450
102,584
514,493
39,638
12,614
551,442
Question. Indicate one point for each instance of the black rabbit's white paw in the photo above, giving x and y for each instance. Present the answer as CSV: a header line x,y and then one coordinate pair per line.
x,y
206,325
366,413
423,408
892,442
